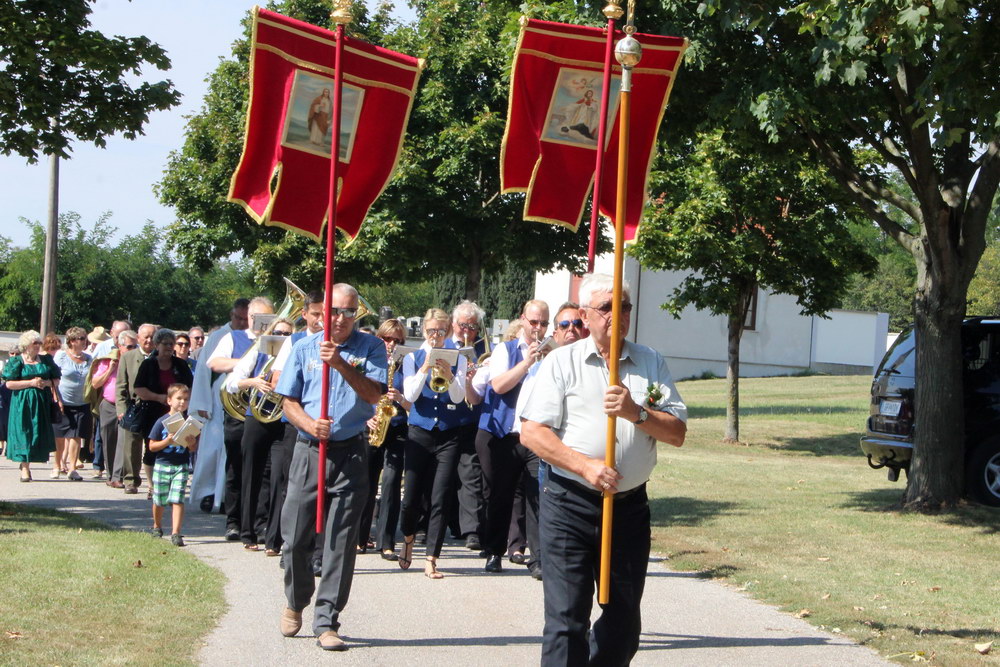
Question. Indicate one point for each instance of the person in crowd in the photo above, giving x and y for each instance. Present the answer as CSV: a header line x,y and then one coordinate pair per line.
x,y
281,452
258,438
130,442
75,423
469,514
157,372
51,344
223,359
561,425
209,480
97,336
356,366
14,351
501,454
432,450
104,378
33,380
197,338
182,349
106,346
387,458
172,465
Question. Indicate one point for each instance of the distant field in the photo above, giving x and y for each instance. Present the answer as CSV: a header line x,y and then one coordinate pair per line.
x,y
797,518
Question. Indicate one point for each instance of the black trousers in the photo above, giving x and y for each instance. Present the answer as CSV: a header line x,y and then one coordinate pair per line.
x,y
570,528
468,507
516,535
255,450
392,479
281,459
233,438
504,461
376,457
429,459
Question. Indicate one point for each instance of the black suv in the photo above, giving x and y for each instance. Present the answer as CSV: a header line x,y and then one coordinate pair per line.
x,y
888,440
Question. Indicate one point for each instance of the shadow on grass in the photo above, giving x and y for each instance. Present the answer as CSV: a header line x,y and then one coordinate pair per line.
x,y
874,500
985,520
702,412
680,511
842,444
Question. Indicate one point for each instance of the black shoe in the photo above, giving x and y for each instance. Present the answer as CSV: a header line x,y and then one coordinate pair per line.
x,y
156,532
517,558
177,540
535,568
472,542
232,535
421,538
493,564
484,554
206,504
318,569
390,555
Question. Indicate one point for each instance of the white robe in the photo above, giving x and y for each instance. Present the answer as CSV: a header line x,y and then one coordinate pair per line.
x,y
210,465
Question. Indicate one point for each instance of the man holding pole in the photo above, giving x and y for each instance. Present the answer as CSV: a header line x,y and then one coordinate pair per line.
x,y
357,365
561,425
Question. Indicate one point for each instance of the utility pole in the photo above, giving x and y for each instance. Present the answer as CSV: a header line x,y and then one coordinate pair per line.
x,y
51,251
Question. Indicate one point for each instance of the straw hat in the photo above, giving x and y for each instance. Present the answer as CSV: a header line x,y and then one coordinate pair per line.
x,y
98,335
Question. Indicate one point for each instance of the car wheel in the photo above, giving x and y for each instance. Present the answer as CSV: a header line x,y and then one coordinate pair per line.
x,y
982,474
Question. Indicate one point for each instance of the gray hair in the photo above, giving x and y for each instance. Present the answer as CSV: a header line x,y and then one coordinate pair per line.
x,y
469,309
128,334
27,338
147,325
164,334
344,288
261,301
599,282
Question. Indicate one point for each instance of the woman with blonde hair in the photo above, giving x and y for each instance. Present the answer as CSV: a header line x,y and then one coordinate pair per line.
x,y
75,422
431,453
33,380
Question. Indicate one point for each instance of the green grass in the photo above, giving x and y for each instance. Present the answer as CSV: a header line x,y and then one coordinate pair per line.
x,y
77,592
794,516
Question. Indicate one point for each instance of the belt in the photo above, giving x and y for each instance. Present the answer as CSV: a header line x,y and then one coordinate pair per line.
x,y
583,489
329,443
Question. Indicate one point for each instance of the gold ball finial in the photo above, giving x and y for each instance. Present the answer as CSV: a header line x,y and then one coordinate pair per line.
x,y
341,14
613,10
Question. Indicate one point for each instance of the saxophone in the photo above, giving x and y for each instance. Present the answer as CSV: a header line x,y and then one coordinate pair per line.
x,y
384,411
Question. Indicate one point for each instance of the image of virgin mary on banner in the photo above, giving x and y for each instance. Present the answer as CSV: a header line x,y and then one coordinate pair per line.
x,y
552,120
283,178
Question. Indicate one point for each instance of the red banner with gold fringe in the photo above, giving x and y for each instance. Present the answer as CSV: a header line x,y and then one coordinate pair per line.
x,y
284,174
552,120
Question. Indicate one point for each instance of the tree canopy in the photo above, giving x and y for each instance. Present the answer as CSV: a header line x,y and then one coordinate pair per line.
x,y
59,79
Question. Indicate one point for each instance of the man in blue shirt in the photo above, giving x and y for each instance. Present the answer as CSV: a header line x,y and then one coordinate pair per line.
x,y
358,367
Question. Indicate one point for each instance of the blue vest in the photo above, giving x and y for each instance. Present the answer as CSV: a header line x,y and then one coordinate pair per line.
x,y
498,409
257,368
433,411
470,415
241,343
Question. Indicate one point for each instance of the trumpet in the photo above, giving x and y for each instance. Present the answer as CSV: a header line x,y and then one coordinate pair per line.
x,y
384,411
438,382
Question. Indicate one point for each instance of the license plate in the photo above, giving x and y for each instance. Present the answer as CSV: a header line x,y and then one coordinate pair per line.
x,y
890,408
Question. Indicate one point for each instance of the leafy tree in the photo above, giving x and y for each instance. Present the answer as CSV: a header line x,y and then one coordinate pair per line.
x,y
984,290
59,79
915,83
742,217
99,282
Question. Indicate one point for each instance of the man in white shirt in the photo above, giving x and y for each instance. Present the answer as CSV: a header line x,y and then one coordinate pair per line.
x,y
563,424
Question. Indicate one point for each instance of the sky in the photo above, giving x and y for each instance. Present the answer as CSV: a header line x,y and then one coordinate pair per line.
x,y
120,177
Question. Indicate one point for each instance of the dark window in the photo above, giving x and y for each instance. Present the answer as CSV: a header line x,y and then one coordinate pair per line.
x,y
750,321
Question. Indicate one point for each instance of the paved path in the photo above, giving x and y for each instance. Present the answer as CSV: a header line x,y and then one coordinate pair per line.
x,y
467,618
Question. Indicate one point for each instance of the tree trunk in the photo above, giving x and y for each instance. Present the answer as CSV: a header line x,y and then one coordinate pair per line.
x,y
737,318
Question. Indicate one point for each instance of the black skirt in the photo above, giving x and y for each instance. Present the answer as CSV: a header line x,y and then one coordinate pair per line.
x,y
75,421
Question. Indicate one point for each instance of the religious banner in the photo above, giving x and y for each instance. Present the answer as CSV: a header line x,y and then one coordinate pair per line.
x,y
283,178
553,120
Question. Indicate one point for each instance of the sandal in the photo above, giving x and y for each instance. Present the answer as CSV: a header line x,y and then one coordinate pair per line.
x,y
149,494
406,557
389,554
251,546
433,574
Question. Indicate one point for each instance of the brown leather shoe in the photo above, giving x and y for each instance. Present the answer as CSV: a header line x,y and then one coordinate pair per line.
x,y
331,641
115,484
291,622
131,490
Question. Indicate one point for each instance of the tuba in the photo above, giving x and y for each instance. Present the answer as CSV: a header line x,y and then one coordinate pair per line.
x,y
384,411
237,403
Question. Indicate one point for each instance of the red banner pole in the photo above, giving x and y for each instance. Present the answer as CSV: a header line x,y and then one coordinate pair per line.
x,y
331,251
612,11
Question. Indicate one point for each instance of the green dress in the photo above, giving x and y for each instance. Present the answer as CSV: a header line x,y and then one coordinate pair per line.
x,y
29,428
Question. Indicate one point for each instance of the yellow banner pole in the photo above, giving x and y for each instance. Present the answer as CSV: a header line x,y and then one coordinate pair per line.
x,y
627,52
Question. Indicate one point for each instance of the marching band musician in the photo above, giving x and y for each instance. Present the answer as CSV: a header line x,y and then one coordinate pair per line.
x,y
355,363
387,458
501,454
469,512
432,449
255,445
223,359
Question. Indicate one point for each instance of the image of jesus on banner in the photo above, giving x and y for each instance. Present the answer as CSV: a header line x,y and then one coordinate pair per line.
x,y
310,116
574,111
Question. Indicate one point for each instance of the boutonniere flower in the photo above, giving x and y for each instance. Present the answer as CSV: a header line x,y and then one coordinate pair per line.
x,y
653,395
358,363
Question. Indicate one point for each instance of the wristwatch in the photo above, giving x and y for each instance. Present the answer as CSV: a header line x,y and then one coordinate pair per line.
x,y
643,416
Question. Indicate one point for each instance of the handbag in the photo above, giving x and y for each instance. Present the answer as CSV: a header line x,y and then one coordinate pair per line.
x,y
135,416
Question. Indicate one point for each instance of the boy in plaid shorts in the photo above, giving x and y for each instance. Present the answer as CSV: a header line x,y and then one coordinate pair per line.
x,y
172,466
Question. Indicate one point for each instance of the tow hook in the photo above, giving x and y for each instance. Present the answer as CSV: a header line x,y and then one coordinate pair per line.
x,y
882,462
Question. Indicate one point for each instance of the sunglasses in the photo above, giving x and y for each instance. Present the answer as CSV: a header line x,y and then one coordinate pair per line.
x,y
131,347
435,332
469,327
349,313
182,343
566,324
394,340
538,323
281,333
197,338
605,308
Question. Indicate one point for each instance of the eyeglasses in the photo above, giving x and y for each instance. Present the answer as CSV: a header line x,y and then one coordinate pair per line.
x,y
78,338
131,347
435,332
281,333
182,343
468,327
538,323
349,313
566,324
397,341
197,338
605,308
